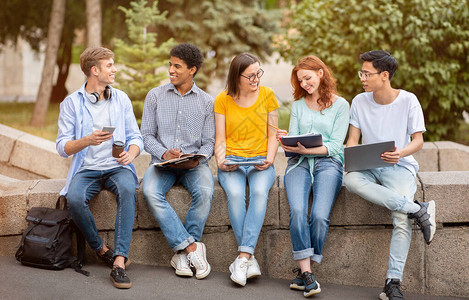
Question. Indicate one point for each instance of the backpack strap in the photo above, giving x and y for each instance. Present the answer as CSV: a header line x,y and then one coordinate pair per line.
x,y
20,246
77,264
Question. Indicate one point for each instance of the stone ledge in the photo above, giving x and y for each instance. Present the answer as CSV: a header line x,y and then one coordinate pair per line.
x,y
434,186
452,156
449,190
8,138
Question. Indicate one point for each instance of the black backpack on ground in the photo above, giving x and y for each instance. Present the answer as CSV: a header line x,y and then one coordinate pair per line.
x,y
47,242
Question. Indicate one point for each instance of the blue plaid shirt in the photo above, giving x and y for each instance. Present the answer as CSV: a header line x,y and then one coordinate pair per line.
x,y
171,120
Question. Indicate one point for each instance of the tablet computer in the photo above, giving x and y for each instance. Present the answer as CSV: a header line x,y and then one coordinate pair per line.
x,y
367,156
244,163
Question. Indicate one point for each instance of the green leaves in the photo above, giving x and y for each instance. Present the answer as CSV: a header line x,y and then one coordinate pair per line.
x,y
221,29
140,57
429,38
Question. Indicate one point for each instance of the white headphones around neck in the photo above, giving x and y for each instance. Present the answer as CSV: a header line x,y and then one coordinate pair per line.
x,y
107,94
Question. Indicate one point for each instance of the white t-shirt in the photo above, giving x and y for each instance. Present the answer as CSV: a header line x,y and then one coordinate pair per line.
x,y
99,157
396,122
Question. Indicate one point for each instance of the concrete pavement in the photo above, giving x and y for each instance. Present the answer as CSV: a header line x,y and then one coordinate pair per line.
x,y
148,282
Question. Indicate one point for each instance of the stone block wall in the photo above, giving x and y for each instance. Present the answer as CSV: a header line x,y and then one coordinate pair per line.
x,y
356,250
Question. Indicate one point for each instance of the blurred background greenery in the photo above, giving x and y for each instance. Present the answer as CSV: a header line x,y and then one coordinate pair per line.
x,y
429,38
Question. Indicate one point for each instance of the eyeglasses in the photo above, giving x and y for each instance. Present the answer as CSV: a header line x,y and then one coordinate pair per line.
x,y
367,75
253,76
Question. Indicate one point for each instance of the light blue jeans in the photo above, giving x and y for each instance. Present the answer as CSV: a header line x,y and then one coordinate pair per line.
x,y
88,183
392,187
199,182
247,225
308,235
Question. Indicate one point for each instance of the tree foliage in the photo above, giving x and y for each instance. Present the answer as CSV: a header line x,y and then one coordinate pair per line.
x,y
221,29
429,38
139,55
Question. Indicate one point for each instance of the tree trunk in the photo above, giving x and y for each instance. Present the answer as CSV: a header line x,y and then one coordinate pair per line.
x,y
64,59
53,41
93,23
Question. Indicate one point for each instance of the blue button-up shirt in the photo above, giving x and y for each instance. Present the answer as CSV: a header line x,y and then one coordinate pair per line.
x,y
171,120
76,122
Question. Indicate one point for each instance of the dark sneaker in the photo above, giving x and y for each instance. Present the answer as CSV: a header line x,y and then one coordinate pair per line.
x,y
120,279
108,258
311,285
297,283
425,219
392,291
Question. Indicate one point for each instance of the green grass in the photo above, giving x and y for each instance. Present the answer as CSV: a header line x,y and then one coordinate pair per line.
x,y
18,115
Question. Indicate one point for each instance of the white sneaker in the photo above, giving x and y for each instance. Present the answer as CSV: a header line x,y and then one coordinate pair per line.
x,y
180,263
239,270
198,260
253,268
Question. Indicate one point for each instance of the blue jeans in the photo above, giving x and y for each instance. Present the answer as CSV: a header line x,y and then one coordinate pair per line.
x,y
392,187
308,235
199,182
247,225
88,183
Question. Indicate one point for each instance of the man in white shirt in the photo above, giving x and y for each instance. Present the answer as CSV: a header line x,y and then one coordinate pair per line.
x,y
380,114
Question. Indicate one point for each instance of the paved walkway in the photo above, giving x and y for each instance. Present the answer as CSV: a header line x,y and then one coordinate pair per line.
x,y
148,282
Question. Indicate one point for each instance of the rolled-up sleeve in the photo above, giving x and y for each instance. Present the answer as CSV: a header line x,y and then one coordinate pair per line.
x,y
66,124
132,132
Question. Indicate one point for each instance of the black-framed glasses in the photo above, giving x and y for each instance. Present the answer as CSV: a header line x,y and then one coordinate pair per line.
x,y
253,76
367,75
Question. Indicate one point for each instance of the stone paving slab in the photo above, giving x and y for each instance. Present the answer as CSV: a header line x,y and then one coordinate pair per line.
x,y
149,282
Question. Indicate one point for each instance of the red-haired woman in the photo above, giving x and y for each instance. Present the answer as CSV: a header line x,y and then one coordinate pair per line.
x,y
317,109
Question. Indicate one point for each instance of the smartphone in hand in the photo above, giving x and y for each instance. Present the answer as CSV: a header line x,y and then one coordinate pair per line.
x,y
109,129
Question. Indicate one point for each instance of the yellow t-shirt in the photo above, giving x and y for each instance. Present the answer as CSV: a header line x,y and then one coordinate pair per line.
x,y
246,127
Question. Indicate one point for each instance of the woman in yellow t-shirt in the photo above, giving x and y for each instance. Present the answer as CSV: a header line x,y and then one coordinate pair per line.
x,y
245,149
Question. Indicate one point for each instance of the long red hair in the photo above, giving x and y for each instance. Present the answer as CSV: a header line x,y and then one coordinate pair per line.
x,y
327,86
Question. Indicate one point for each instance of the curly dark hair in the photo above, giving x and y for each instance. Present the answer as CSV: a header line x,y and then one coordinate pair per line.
x,y
190,54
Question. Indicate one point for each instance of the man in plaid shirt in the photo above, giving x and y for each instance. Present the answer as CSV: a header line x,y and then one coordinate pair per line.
x,y
178,119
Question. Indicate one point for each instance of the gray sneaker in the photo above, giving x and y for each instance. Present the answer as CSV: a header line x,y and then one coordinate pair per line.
x,y
425,219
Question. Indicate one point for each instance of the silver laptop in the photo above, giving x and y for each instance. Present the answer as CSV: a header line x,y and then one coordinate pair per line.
x,y
367,156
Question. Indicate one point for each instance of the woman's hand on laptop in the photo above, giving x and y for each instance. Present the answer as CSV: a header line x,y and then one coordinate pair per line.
x,y
391,157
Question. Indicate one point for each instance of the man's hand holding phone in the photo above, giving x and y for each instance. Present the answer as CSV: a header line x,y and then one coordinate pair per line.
x,y
100,136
